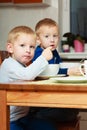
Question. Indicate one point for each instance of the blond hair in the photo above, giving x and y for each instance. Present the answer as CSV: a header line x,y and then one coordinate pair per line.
x,y
45,22
17,31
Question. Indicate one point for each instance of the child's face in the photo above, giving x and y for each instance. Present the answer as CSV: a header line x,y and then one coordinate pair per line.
x,y
49,36
23,48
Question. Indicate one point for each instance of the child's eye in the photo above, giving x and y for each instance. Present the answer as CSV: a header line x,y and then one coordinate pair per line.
x,y
46,36
55,35
22,45
33,47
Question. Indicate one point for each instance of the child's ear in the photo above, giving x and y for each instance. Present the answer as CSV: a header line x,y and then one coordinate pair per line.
x,y
38,40
10,47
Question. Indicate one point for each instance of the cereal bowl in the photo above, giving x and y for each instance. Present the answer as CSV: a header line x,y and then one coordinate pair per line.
x,y
51,70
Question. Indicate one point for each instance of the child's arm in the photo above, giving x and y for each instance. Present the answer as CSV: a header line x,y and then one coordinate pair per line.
x,y
63,71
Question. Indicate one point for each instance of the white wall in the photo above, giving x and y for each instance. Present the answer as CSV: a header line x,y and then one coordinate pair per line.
x,y
14,16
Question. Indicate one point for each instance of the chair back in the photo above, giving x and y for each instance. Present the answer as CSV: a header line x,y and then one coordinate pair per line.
x,y
3,54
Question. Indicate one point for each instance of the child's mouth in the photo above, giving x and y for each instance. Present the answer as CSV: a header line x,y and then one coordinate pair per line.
x,y
53,46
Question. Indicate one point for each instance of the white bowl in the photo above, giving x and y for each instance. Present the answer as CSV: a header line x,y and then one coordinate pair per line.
x,y
69,64
51,70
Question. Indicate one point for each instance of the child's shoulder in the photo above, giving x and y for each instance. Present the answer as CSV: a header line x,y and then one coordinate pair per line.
x,y
38,49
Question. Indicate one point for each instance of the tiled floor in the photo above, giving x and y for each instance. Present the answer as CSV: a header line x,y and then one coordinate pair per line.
x,y
83,122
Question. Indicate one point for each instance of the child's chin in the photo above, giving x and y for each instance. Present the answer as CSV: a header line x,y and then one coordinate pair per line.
x,y
53,49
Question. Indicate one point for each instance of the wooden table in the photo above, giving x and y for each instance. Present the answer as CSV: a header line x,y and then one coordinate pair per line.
x,y
40,93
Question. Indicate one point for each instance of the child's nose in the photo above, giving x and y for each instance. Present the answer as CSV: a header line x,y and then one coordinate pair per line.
x,y
28,49
52,39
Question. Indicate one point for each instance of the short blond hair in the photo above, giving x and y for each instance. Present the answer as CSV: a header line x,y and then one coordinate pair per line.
x,y
45,22
17,31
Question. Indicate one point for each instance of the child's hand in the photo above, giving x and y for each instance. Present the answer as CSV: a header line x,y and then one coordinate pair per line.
x,y
47,53
74,71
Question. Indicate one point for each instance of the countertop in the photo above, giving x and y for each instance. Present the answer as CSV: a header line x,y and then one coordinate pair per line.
x,y
73,55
